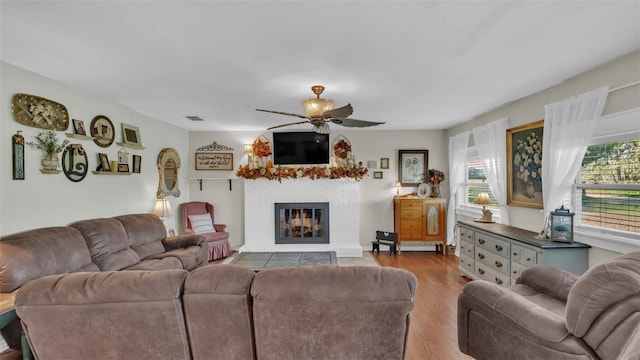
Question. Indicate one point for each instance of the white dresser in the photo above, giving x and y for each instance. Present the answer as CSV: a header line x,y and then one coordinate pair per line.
x,y
498,253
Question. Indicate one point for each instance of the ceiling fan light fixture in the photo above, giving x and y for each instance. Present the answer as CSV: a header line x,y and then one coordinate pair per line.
x,y
315,107
322,128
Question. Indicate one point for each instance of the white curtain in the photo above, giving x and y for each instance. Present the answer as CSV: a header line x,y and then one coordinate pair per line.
x,y
457,155
568,127
490,141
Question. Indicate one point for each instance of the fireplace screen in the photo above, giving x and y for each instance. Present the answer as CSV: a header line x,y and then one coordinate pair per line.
x,y
302,223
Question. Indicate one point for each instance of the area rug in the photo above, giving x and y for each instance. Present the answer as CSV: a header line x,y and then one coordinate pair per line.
x,y
267,260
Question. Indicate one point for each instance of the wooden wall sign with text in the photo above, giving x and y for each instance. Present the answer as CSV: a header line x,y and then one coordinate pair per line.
x,y
214,161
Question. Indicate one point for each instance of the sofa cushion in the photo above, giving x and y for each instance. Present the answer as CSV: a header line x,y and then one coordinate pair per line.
x,y
36,253
108,243
190,258
220,294
168,263
324,312
106,315
145,233
201,224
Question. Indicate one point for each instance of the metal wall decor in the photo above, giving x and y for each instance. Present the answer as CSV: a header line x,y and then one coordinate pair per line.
x,y
168,165
75,163
38,112
103,131
17,146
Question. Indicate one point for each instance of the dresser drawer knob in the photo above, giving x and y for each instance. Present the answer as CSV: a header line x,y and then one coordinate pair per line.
x,y
498,264
515,254
498,281
480,271
528,259
480,256
498,247
481,241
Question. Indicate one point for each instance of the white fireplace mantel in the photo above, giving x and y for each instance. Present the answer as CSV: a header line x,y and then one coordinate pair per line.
x,y
344,213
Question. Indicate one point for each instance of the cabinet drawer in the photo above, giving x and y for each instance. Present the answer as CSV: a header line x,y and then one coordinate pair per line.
x,y
516,271
410,215
411,205
411,225
410,235
496,246
466,234
522,255
485,273
467,249
493,261
467,263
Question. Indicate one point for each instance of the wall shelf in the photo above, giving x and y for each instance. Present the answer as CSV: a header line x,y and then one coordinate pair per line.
x,y
110,173
80,137
49,172
200,179
131,146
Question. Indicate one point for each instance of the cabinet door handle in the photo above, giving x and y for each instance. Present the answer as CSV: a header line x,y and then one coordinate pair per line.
x,y
498,247
498,281
515,254
498,264
515,272
481,241
528,259
480,256
481,271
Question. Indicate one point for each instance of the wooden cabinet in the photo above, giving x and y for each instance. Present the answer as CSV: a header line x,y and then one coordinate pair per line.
x,y
499,253
420,220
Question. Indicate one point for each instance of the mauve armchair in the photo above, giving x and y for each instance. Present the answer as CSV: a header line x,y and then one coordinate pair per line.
x,y
554,314
217,237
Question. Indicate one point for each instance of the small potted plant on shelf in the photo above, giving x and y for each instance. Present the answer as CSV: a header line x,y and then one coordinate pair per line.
x,y
47,141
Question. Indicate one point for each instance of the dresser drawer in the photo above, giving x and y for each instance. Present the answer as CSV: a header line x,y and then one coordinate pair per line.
x,y
516,271
466,234
411,205
411,215
411,225
467,263
410,235
467,249
523,255
493,261
485,273
496,246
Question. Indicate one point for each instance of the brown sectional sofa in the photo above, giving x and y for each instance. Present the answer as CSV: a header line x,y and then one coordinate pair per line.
x,y
127,242
220,312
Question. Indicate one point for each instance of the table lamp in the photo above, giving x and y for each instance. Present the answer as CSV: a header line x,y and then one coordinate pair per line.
x,y
398,186
483,199
162,209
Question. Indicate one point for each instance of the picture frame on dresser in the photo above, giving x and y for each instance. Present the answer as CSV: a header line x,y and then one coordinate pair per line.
x,y
524,165
412,165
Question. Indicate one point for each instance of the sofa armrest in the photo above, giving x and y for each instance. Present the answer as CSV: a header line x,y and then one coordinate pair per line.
x,y
220,227
548,280
182,241
515,309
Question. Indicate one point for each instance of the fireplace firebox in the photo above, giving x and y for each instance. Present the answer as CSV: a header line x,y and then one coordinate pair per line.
x,y
302,223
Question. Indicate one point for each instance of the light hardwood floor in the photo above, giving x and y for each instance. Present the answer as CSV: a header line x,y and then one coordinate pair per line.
x,y
433,330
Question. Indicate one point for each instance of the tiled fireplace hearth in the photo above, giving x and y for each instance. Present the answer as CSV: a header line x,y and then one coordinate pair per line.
x,y
260,197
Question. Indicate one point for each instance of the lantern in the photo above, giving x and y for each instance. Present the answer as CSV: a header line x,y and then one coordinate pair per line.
x,y
561,225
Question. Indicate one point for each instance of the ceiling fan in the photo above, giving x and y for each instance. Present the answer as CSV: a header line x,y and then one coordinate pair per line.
x,y
320,113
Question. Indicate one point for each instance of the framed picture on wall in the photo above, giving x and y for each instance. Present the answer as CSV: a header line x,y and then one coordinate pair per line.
x,y
412,165
137,161
524,165
384,163
104,162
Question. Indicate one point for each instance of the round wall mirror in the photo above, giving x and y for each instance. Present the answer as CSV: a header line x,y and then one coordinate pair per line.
x,y
168,165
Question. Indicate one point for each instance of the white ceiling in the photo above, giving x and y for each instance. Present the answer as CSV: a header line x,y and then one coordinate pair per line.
x,y
412,64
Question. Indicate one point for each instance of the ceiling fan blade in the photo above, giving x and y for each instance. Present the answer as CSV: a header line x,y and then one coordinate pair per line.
x,y
355,123
285,113
338,113
288,124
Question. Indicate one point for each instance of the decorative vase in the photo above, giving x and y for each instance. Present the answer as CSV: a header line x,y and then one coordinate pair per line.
x,y
50,161
435,191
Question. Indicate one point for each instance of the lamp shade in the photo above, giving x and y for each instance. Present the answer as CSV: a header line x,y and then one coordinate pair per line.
x,y
248,149
315,107
483,199
162,208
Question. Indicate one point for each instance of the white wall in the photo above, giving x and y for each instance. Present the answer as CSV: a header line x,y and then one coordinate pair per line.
x,y
376,206
52,200
616,73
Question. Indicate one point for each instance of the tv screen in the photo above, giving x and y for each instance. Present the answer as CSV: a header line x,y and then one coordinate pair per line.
x,y
300,148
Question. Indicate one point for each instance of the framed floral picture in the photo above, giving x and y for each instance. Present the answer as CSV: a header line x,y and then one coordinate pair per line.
x,y
412,164
524,165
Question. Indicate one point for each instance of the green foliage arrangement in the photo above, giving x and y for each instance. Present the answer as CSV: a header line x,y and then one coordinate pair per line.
x,y
47,141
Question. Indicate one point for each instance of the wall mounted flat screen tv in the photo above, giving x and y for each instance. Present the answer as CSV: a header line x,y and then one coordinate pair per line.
x,y
300,148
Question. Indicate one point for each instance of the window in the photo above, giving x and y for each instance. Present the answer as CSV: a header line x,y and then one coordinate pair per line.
x,y
608,188
475,183
606,195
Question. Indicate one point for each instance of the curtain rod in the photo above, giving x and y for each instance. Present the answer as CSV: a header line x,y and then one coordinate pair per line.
x,y
624,86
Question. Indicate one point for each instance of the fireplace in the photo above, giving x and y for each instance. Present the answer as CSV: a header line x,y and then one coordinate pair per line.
x,y
302,223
